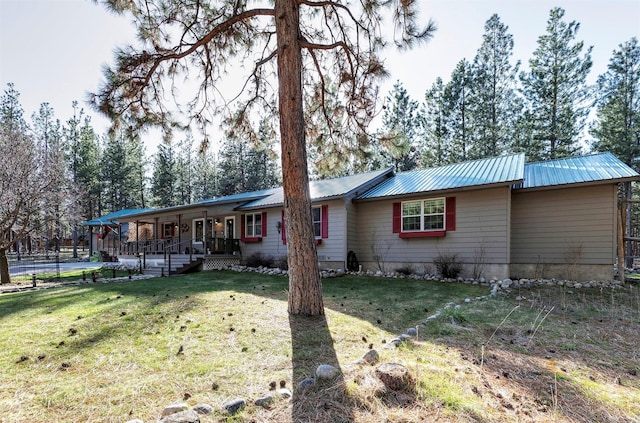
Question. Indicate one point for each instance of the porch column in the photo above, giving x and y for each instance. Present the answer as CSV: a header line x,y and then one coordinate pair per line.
x,y
206,232
179,216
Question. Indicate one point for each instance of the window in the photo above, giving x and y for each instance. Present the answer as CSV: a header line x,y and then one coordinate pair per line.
x,y
317,221
168,229
253,225
320,216
320,221
425,217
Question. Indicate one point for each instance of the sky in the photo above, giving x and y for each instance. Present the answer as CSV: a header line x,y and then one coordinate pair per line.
x,y
54,50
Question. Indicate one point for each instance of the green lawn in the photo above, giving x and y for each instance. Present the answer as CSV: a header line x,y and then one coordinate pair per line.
x,y
118,351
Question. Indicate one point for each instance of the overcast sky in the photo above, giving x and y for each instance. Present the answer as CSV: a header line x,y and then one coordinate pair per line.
x,y
54,50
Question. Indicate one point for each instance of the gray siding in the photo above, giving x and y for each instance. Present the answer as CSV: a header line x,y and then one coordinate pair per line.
x,y
330,250
481,235
572,225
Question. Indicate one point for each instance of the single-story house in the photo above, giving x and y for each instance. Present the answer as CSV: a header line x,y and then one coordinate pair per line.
x,y
499,217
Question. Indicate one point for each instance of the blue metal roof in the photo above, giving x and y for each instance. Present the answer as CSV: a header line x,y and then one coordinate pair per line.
x,y
576,170
327,188
243,196
112,218
498,170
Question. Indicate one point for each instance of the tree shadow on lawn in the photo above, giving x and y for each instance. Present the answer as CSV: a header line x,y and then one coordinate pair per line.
x,y
312,342
312,345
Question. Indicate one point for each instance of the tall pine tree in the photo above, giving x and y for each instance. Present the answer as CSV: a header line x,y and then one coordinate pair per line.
x,y
400,130
617,128
494,106
434,117
556,90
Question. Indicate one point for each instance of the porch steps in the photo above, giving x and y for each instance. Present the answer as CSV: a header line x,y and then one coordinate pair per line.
x,y
157,265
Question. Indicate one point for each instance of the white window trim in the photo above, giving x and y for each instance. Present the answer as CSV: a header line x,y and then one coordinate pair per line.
x,y
422,215
253,225
319,221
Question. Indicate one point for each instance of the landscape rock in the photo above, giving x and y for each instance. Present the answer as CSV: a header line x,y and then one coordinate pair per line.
x,y
327,372
413,332
370,357
188,416
395,376
285,393
265,401
307,383
203,409
174,408
233,406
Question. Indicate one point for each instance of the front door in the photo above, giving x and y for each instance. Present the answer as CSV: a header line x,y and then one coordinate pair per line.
x,y
229,233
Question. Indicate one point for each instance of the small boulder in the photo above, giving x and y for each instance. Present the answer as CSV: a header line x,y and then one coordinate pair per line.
x,y
265,401
327,372
174,408
395,376
188,416
233,406
284,393
307,383
370,357
203,409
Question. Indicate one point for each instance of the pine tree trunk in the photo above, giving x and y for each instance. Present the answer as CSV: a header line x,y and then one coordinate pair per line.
x,y
305,286
4,267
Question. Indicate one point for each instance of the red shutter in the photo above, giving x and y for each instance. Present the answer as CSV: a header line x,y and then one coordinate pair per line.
x,y
324,221
242,222
451,214
284,230
397,218
264,224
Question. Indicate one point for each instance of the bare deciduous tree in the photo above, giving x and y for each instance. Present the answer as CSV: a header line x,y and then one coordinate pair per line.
x,y
24,179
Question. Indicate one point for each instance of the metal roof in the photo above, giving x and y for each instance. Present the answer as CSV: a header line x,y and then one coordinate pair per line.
x,y
112,218
241,197
576,170
498,170
327,188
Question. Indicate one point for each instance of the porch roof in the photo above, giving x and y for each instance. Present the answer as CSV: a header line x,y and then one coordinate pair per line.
x,y
114,218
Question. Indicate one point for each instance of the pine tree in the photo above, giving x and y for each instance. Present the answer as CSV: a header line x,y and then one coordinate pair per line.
x,y
298,44
457,95
399,135
164,178
555,88
617,128
493,103
205,176
232,167
184,171
434,119
47,131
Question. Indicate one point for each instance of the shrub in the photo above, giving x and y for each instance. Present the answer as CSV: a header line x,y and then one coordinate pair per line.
x,y
282,263
258,260
405,270
448,265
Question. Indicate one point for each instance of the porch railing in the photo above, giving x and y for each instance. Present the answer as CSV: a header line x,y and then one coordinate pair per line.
x,y
162,246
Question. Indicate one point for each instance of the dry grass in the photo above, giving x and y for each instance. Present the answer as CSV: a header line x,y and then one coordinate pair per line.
x,y
560,356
